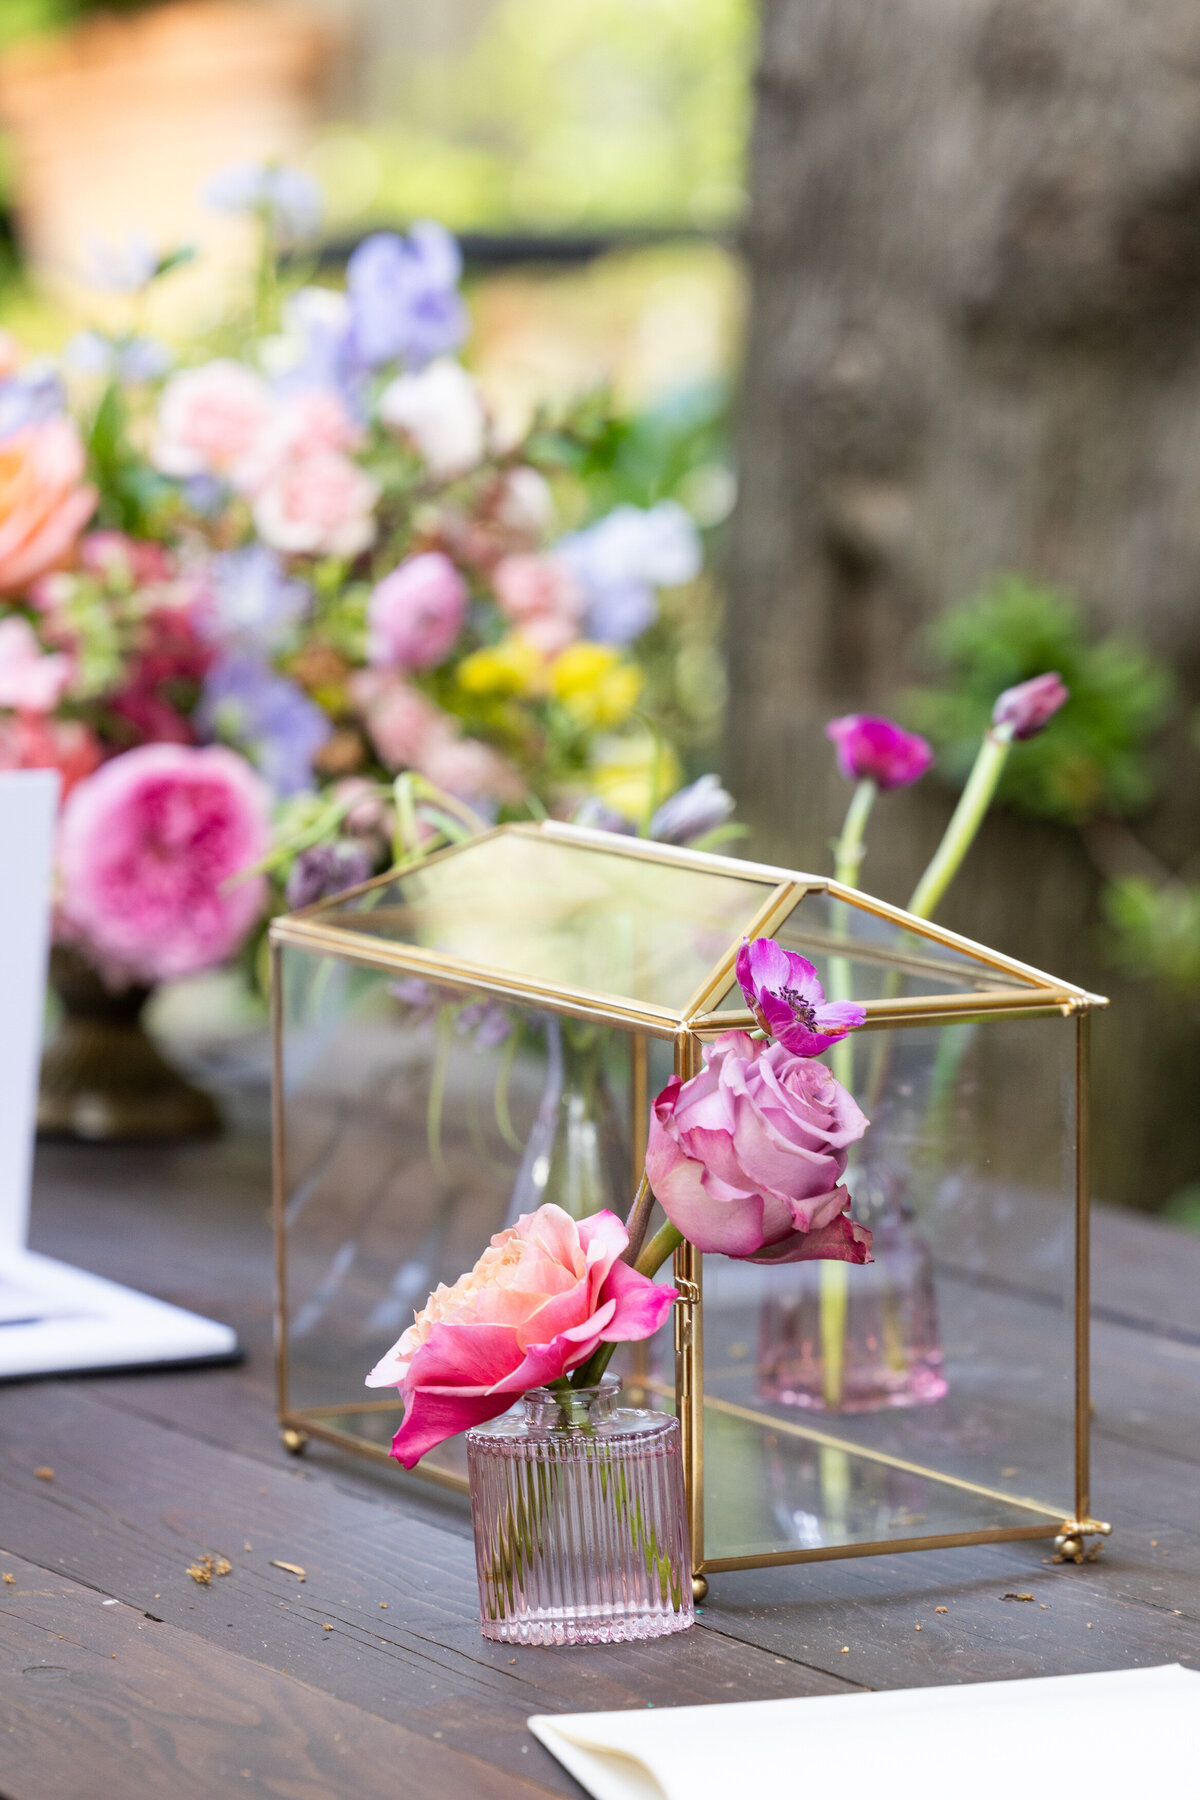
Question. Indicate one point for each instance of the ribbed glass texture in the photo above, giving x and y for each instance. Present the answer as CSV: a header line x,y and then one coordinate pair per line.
x,y
580,1526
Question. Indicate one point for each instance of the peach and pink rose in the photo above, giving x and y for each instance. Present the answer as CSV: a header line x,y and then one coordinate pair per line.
x,y
542,1297
746,1158
44,501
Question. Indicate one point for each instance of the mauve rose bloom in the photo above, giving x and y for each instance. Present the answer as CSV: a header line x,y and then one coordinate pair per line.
x,y
44,501
784,994
210,418
1028,708
747,1157
146,847
415,614
318,505
541,1298
30,680
873,749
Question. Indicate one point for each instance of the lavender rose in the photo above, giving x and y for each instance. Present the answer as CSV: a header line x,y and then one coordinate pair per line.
x,y
747,1157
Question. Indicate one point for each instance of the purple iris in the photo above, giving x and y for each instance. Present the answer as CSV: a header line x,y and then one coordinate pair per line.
x,y
255,604
1029,707
404,301
623,558
873,749
249,704
319,327
784,994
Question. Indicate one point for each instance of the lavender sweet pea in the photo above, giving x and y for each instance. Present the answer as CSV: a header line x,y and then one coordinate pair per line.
x,y
1026,709
746,1158
786,997
404,300
870,748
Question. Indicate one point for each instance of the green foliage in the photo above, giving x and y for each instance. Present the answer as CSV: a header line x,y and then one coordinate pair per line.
x,y
1156,931
1095,757
134,497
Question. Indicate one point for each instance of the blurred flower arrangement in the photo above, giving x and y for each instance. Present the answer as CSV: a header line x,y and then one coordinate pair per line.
x,y
300,608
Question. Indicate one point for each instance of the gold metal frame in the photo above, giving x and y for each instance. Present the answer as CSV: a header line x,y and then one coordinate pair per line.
x,y
1030,993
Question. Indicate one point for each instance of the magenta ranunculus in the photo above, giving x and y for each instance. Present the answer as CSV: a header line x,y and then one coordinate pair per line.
x,y
746,1158
146,846
786,997
1028,708
870,748
416,613
540,1299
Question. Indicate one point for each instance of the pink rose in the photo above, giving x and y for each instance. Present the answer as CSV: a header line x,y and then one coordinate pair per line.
x,y
146,846
210,418
746,1157
318,505
30,680
540,1299
468,769
44,501
302,426
415,613
542,597
33,741
402,723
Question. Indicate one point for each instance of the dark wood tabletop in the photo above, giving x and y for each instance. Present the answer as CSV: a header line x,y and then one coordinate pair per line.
x,y
124,1677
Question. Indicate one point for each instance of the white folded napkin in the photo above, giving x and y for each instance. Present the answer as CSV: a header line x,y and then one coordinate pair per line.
x,y
1110,1736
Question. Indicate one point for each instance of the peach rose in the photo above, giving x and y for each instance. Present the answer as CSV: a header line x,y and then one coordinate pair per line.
x,y
44,501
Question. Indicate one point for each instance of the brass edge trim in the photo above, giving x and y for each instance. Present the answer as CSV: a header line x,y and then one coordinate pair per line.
x,y
386,956
689,1349
778,905
900,1016
396,873
639,1107
954,1540
785,1428
649,850
278,1184
345,1440
1082,1266
939,934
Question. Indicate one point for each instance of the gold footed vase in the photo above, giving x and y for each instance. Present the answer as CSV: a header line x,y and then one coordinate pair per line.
x,y
104,1079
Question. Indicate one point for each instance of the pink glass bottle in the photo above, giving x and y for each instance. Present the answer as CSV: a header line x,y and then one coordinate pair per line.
x,y
580,1525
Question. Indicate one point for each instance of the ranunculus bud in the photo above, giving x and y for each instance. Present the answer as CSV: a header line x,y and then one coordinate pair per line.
x,y
1029,707
746,1158
874,749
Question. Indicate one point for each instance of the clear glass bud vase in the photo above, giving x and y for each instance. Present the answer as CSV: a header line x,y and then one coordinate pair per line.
x,y
576,1156
839,1339
580,1526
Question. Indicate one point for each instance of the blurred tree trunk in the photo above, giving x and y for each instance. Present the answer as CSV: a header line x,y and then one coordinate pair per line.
x,y
974,346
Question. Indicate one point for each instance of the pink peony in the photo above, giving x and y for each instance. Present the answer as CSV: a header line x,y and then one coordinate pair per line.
x,y
542,597
787,999
873,749
540,1299
747,1157
210,418
416,613
1022,711
30,680
44,501
401,723
146,847
317,505
33,741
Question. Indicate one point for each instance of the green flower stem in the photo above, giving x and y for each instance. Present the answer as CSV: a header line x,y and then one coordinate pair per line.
x,y
968,817
834,1277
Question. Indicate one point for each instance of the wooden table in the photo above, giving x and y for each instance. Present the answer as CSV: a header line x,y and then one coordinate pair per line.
x,y
122,1677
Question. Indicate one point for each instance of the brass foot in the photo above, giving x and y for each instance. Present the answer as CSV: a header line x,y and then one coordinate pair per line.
x,y
699,1589
1071,1544
294,1441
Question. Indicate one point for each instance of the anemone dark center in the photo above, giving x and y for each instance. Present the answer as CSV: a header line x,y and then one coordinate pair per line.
x,y
802,1009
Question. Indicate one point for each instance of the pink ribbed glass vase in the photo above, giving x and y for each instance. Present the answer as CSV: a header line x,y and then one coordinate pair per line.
x,y
580,1526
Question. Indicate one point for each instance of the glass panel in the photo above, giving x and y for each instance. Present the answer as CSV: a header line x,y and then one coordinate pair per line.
x,y
418,1122
932,1391
565,914
881,958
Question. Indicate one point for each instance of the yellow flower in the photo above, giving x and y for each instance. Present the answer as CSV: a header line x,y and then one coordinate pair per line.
x,y
594,685
509,667
634,774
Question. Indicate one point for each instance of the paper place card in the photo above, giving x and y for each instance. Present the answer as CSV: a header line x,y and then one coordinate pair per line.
x,y
1105,1736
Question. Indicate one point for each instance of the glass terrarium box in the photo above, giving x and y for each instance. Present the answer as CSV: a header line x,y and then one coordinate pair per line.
x,y
485,1030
